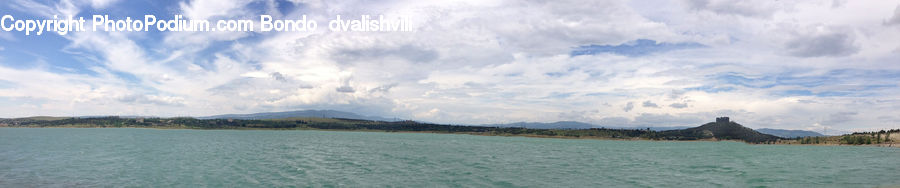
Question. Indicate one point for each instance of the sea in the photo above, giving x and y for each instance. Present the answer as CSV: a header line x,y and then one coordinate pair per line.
x,y
131,157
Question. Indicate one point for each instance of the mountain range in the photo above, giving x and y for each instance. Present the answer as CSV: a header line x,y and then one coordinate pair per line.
x,y
530,125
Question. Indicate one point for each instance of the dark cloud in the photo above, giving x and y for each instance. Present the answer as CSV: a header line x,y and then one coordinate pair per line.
x,y
840,117
678,105
895,19
833,44
345,89
629,106
649,104
278,76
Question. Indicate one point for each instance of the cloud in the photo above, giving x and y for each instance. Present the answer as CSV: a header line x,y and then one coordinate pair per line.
x,y
368,53
345,89
895,19
628,106
840,117
822,43
649,104
7,36
837,3
153,99
43,10
100,4
278,76
735,7
652,119
206,9
640,47
678,105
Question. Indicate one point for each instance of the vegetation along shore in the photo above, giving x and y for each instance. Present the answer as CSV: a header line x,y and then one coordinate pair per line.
x,y
722,129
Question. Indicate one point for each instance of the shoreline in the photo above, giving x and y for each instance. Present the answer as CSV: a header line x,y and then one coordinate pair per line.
x,y
890,145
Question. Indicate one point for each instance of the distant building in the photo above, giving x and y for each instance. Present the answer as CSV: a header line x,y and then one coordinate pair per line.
x,y
722,120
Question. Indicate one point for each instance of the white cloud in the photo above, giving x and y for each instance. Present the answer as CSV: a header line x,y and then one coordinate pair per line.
x,y
207,9
100,4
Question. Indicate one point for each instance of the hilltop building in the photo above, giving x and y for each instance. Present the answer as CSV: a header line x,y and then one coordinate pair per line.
x,y
722,120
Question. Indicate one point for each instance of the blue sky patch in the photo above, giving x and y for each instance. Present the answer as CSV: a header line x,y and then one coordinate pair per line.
x,y
637,48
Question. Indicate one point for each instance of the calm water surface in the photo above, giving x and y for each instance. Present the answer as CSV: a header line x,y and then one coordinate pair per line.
x,y
88,157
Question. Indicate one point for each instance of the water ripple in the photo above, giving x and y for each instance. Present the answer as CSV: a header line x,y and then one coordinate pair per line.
x,y
216,158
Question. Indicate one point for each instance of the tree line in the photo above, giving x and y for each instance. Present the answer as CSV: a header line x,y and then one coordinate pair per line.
x,y
728,132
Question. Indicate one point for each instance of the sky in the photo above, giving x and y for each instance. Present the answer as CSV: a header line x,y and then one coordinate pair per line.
x,y
806,65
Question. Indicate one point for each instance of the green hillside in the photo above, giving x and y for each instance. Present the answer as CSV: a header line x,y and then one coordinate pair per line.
x,y
722,130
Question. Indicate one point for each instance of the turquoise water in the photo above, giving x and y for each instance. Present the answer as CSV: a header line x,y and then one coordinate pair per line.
x,y
63,157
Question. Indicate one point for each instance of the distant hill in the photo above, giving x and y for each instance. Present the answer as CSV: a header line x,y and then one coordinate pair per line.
x,y
725,130
661,128
537,125
297,114
789,133
573,125
44,118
